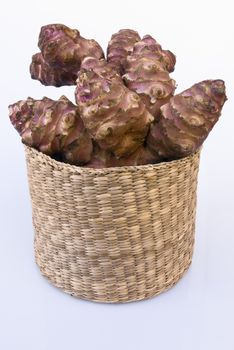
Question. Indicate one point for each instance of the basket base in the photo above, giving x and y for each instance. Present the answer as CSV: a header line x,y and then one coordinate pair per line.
x,y
105,300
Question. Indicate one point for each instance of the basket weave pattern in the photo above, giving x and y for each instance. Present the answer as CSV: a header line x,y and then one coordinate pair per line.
x,y
115,234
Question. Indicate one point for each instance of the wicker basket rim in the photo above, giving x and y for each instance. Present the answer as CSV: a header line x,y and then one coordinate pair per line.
x,y
103,171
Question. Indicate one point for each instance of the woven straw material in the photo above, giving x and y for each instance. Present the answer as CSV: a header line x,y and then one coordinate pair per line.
x,y
115,234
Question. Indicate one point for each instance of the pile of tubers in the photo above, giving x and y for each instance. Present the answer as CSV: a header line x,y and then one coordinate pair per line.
x,y
126,112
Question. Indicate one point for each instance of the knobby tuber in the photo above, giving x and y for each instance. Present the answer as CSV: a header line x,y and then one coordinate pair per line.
x,y
53,127
114,116
62,50
147,73
186,120
47,75
120,46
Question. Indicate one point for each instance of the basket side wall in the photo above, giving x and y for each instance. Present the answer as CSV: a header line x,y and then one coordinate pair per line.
x,y
113,236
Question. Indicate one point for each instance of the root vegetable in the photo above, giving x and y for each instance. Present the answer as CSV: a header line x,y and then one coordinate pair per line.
x,y
147,73
47,75
115,117
186,120
53,127
62,51
120,46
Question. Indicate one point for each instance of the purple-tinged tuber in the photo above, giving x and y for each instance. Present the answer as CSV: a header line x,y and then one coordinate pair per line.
x,y
147,73
186,120
48,75
52,127
115,117
65,47
120,46
62,51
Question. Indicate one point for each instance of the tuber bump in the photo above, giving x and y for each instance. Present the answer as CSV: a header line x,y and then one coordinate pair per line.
x,y
186,120
53,127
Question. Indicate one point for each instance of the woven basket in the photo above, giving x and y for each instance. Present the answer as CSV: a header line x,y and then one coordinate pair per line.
x,y
116,234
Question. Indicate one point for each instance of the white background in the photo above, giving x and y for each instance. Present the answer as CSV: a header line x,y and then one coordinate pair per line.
x,y
198,313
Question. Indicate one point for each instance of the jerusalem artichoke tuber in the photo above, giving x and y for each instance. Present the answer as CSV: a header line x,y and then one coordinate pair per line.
x,y
53,127
62,50
115,117
65,47
48,75
120,46
186,120
147,73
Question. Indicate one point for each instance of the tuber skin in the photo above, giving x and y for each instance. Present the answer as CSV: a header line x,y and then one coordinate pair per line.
x,y
101,68
62,51
186,120
105,159
52,127
147,73
115,117
47,75
120,46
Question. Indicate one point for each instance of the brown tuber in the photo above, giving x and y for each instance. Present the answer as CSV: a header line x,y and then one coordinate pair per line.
x,y
186,120
147,73
114,116
62,51
120,46
53,127
47,75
